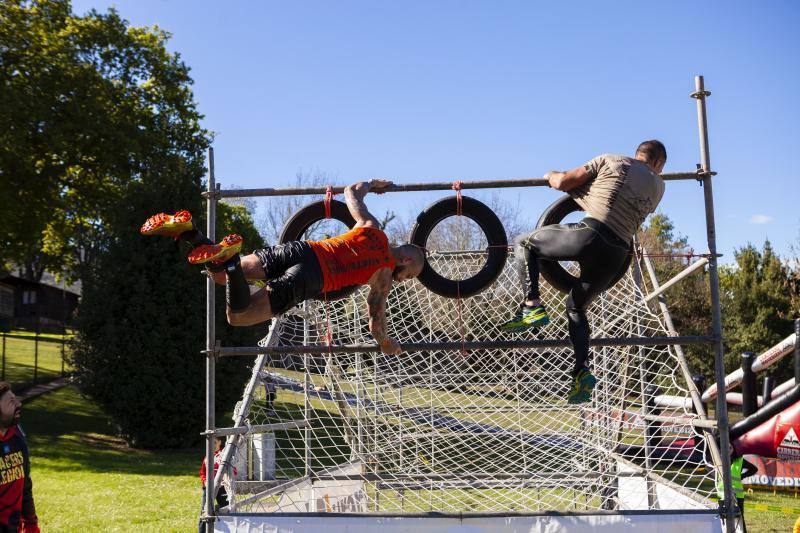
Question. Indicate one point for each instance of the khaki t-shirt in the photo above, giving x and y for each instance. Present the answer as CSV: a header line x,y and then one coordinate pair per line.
x,y
620,193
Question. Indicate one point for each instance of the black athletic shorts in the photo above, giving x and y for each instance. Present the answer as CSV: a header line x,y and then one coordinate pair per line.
x,y
293,272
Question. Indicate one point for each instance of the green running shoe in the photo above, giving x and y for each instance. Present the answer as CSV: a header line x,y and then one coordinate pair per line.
x,y
527,317
582,387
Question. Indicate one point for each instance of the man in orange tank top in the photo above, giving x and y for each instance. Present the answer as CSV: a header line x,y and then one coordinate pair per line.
x,y
300,270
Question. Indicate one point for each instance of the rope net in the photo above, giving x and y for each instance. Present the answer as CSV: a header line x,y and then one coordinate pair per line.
x,y
478,431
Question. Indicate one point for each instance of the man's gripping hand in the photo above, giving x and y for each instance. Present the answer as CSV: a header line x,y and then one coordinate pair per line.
x,y
389,346
379,186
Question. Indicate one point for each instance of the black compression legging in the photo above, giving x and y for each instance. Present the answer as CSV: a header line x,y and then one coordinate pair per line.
x,y
598,251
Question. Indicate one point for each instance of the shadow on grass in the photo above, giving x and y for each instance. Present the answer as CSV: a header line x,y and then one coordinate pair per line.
x,y
68,432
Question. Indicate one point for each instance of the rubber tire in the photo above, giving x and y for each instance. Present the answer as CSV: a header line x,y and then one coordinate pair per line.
x,y
552,271
299,223
491,227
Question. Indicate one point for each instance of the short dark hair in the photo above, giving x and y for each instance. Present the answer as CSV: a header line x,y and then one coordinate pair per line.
x,y
653,151
5,386
411,250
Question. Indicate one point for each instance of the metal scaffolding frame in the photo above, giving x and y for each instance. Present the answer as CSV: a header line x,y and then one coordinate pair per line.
x,y
213,349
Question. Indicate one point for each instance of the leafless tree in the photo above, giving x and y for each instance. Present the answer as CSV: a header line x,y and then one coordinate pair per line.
x,y
454,233
278,209
461,233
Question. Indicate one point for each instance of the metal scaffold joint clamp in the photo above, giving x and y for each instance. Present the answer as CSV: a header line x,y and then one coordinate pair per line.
x,y
700,94
702,174
216,194
213,353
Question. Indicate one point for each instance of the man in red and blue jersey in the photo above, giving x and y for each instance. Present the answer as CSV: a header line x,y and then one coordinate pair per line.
x,y
17,511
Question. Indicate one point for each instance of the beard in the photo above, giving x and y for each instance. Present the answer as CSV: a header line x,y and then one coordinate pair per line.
x,y
397,271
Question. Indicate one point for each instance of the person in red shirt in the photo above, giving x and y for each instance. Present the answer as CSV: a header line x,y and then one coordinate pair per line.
x,y
17,510
222,494
301,270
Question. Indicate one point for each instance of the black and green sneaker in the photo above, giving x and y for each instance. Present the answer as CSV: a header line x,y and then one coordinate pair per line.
x,y
582,387
527,317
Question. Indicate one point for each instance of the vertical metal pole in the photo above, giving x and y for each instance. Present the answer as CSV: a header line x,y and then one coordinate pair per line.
x,y
306,399
36,356
695,383
63,325
210,356
4,356
700,95
247,400
63,352
646,390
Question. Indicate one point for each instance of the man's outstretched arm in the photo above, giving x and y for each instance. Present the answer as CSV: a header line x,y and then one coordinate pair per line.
x,y
376,301
566,181
354,197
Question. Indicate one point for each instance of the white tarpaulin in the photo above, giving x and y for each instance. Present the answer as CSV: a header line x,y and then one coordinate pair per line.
x,y
326,496
650,523
633,493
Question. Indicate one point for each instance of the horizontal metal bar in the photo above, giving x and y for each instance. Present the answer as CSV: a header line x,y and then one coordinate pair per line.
x,y
526,409
413,187
678,277
473,345
480,514
459,477
696,422
508,433
472,515
545,484
263,428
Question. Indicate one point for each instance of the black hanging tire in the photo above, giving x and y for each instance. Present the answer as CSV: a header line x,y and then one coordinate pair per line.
x,y
552,271
491,226
304,218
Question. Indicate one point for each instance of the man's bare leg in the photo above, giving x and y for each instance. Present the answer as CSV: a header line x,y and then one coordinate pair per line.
x,y
258,310
251,268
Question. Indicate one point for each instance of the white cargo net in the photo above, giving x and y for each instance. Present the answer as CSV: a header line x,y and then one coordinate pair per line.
x,y
481,431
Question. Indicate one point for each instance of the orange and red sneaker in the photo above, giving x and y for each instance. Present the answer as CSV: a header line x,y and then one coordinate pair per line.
x,y
168,225
217,253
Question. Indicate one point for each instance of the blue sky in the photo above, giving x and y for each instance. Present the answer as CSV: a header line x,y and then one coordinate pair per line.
x,y
445,90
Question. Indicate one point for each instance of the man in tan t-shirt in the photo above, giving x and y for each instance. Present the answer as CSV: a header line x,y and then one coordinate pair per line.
x,y
617,193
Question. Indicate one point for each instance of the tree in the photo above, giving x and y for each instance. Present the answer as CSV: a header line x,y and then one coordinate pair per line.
x,y
757,304
90,106
690,300
461,233
140,330
279,209
98,130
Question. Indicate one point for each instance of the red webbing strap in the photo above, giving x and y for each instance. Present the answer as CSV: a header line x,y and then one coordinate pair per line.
x,y
328,198
457,187
328,329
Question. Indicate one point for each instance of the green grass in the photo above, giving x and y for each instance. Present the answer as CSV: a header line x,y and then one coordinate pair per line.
x,y
85,479
770,521
22,355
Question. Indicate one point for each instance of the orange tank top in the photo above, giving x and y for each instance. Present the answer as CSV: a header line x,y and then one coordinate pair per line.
x,y
353,257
